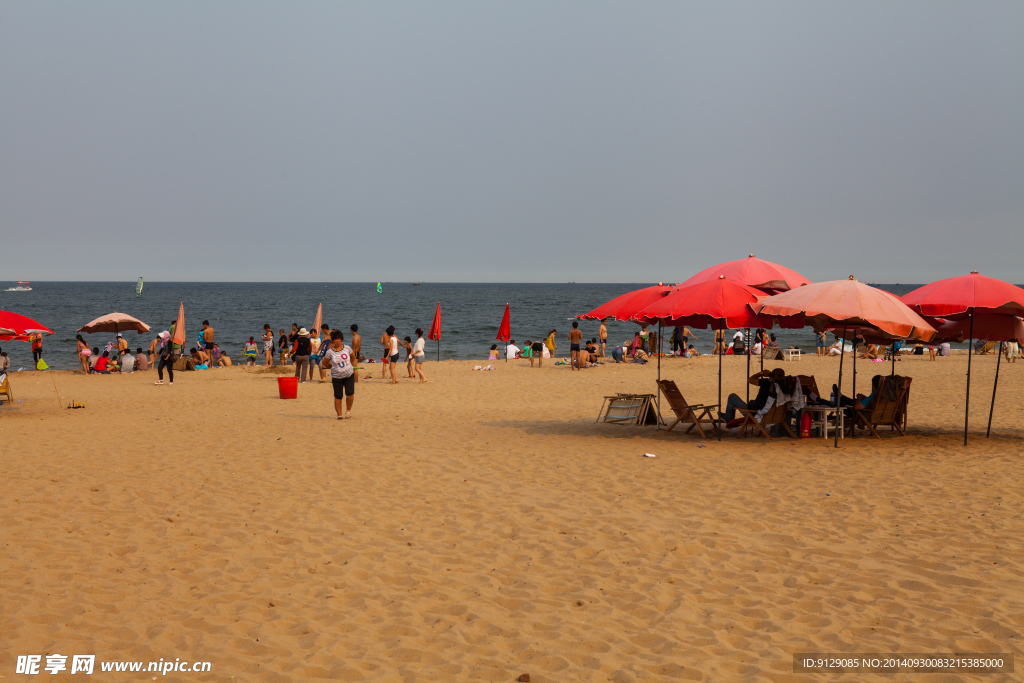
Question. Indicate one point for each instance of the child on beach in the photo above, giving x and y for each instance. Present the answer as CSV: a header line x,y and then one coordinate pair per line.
x,y
339,359
407,345
282,346
251,352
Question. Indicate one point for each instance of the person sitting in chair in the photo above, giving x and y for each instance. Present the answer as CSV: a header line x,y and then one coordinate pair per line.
x,y
764,381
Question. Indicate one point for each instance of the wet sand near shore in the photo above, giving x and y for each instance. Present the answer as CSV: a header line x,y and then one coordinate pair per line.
x,y
482,525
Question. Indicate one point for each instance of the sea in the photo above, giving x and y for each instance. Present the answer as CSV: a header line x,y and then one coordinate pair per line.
x,y
470,313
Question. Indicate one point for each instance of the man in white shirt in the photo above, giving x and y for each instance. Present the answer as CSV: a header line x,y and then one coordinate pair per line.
x,y
127,361
418,355
511,350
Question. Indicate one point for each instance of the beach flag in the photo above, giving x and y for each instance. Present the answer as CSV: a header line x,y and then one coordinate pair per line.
x,y
319,318
179,328
435,330
505,331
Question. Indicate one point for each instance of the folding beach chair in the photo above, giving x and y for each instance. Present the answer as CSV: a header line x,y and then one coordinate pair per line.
x,y
694,414
5,387
808,385
776,415
889,408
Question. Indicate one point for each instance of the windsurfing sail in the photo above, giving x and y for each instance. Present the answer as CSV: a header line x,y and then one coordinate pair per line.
x,y
379,288
138,287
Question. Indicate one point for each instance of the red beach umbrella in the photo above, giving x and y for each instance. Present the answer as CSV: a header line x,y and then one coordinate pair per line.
x,y
505,331
17,327
965,296
435,330
955,295
752,272
626,306
852,305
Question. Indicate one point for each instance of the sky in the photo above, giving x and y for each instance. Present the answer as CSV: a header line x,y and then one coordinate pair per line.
x,y
509,141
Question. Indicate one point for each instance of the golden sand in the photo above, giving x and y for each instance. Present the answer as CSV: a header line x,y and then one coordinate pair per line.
x,y
482,526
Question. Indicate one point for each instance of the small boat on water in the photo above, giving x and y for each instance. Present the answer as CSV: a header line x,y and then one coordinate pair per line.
x,y
416,284
23,282
18,289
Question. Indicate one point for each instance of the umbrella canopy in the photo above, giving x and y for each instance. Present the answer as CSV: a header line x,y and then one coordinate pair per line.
x,y
752,272
990,326
956,295
852,304
114,322
716,303
625,307
178,335
17,327
319,319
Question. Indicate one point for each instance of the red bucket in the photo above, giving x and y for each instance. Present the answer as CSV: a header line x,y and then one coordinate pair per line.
x,y
288,387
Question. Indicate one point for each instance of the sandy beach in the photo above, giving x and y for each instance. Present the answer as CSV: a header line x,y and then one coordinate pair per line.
x,y
482,526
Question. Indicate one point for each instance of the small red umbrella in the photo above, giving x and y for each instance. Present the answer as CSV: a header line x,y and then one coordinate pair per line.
x,y
505,331
961,297
752,272
435,330
626,306
17,327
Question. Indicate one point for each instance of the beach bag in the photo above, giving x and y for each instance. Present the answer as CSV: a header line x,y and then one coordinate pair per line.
x,y
41,365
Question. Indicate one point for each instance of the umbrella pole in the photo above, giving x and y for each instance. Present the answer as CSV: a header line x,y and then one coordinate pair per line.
x,y
970,351
853,392
995,384
439,350
748,364
721,322
839,391
893,354
762,353
658,423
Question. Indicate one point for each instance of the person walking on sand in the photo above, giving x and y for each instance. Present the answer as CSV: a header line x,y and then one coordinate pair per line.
x,y
250,352
418,355
339,359
385,354
314,356
167,359
574,343
268,345
602,335
407,345
303,350
37,350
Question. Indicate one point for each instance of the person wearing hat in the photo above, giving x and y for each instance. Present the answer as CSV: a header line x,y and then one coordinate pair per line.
x,y
301,358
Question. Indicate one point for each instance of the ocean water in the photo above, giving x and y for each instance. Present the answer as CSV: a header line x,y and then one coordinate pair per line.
x,y
470,313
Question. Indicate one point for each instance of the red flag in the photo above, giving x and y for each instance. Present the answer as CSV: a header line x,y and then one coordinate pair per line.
x,y
505,331
435,327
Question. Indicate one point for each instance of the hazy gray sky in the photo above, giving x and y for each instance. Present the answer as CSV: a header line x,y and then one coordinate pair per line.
x,y
547,141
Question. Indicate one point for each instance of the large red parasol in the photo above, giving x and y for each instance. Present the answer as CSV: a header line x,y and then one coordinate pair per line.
x,y
967,297
114,322
990,326
626,306
849,304
718,303
752,272
957,295
17,327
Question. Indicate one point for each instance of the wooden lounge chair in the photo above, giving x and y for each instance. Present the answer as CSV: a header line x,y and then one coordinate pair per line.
x,y
884,411
694,414
776,415
5,388
808,385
